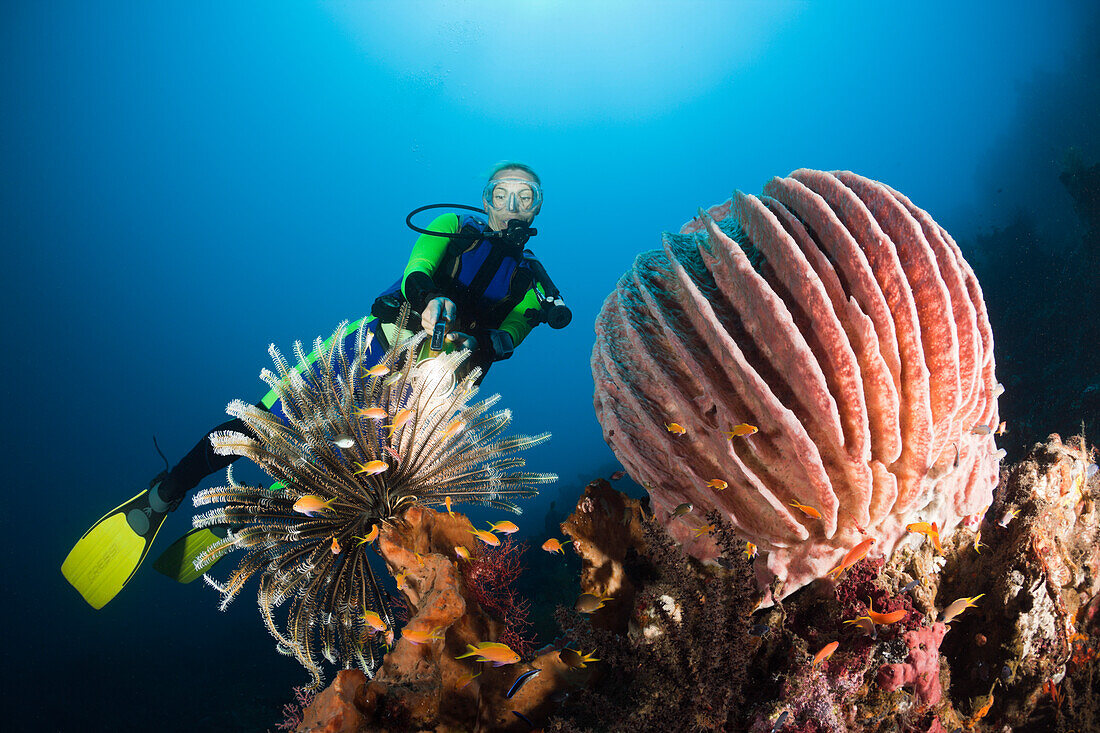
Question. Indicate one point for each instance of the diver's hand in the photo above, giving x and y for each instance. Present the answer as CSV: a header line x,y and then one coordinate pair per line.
x,y
462,340
437,308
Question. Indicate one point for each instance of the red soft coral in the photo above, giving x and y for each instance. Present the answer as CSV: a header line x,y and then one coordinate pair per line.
x,y
490,578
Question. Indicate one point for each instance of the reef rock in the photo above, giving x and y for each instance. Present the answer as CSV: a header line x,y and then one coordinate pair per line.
x,y
424,686
843,322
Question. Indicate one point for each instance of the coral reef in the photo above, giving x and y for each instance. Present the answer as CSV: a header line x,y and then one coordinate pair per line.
x,y
424,686
841,321
1023,652
342,475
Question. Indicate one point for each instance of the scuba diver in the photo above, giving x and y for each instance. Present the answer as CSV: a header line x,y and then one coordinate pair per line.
x,y
469,281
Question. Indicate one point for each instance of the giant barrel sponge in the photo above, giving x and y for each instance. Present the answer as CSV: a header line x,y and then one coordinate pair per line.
x,y
843,322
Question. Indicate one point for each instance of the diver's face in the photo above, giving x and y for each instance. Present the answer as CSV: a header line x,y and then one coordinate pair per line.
x,y
509,198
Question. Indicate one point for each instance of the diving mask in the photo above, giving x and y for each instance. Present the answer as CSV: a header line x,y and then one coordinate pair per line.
x,y
512,194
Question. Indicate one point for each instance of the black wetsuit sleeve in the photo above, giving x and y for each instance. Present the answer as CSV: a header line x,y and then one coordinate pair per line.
x,y
201,461
419,290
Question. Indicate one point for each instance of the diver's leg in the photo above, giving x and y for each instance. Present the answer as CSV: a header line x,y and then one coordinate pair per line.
x,y
200,462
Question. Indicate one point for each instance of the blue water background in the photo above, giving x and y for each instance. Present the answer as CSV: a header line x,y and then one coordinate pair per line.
x,y
185,183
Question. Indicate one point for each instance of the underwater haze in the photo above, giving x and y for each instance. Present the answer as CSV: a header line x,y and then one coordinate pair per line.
x,y
187,183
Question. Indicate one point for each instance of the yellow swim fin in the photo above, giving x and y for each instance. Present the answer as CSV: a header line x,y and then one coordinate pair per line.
x,y
178,561
109,553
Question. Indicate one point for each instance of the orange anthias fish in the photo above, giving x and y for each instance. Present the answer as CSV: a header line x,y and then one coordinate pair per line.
x,y
750,550
447,503
374,621
959,606
372,413
402,417
455,427
378,370
466,679
929,530
704,530
742,430
371,536
555,545
503,526
311,504
1002,428
884,618
825,653
485,536
462,552
371,468
422,636
675,428
717,484
402,584
854,555
491,651
806,509
336,546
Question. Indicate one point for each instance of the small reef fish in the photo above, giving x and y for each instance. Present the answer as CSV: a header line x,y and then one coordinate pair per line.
x,y
865,624
750,550
884,618
682,509
375,621
704,530
981,429
422,636
978,542
503,526
466,679
447,503
617,475
779,722
336,547
1001,428
372,413
958,607
555,545
370,536
485,536
392,453
419,559
675,428
378,370
371,468
741,430
910,585
717,484
853,556
759,630
491,651
343,441
825,653
520,682
402,584
1009,516
455,427
462,552
590,603
524,718
806,509
400,419
931,531
574,659
310,504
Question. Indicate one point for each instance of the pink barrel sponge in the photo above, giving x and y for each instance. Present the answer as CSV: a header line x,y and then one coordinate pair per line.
x,y
841,321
